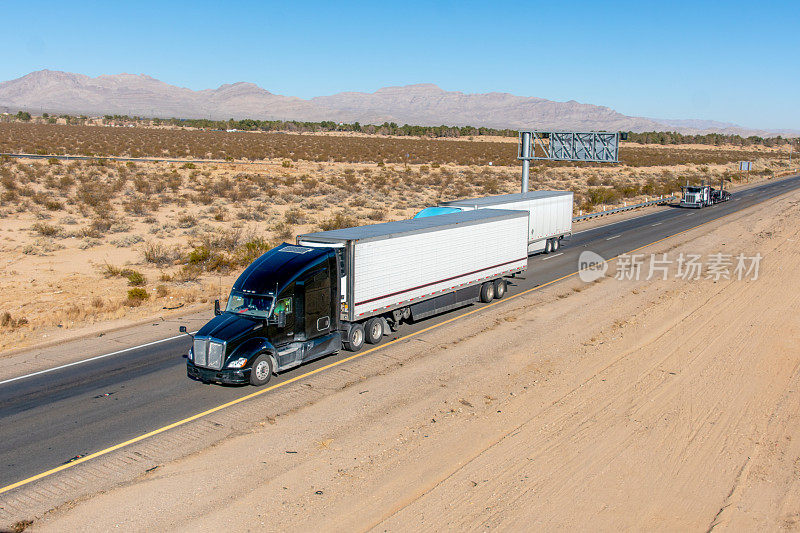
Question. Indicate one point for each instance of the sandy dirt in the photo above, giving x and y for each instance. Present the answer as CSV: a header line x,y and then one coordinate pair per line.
x,y
660,404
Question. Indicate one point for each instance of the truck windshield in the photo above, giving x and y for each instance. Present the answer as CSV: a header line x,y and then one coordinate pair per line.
x,y
250,305
692,189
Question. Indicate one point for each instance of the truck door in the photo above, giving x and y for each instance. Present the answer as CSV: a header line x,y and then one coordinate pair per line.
x,y
317,303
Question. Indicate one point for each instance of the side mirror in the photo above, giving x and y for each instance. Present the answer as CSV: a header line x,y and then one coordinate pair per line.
x,y
182,329
216,308
282,319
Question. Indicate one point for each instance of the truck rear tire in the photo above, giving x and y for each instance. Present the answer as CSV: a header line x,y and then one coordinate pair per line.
x,y
354,338
555,245
499,288
487,292
373,330
548,246
261,371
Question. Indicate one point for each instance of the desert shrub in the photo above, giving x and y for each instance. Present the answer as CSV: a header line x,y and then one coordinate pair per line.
x,y
119,226
222,240
189,165
7,321
139,205
89,242
46,230
136,297
199,255
161,291
358,201
127,241
97,228
42,246
491,185
52,205
65,182
283,231
249,251
338,221
249,214
94,194
600,195
188,273
295,217
627,190
186,221
160,254
135,278
377,215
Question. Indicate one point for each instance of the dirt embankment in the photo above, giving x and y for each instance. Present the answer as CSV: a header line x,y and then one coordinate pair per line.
x,y
621,404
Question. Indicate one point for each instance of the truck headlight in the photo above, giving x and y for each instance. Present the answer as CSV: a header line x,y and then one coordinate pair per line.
x,y
238,363
190,355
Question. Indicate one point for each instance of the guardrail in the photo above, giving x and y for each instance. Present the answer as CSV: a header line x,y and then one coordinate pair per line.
x,y
658,201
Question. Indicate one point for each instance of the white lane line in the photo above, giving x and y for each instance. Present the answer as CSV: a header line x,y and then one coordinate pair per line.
x,y
614,237
656,224
95,358
552,256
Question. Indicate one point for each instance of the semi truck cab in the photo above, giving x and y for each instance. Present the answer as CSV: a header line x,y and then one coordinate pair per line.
x,y
696,196
283,311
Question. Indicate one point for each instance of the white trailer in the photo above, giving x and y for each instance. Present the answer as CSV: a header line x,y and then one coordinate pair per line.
x,y
411,269
550,214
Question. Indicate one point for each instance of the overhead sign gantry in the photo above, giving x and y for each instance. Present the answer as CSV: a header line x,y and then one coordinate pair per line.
x,y
592,146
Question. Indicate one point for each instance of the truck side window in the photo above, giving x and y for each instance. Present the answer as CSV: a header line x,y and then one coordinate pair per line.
x,y
284,304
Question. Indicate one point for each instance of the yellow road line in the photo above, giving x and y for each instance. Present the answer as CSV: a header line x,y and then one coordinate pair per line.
x,y
312,372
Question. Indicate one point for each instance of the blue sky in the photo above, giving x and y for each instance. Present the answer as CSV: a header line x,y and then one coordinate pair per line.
x,y
724,60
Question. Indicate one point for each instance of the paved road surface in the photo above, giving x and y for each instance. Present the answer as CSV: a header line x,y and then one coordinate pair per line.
x,y
48,419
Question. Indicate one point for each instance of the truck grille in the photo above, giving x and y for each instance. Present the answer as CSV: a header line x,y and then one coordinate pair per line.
x,y
208,353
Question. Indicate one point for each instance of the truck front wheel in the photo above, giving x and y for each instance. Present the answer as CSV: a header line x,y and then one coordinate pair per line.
x,y
354,338
261,371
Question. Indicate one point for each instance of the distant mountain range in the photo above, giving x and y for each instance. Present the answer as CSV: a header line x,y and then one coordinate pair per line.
x,y
422,104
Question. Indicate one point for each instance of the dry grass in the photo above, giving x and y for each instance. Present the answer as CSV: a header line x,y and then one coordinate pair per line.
x,y
290,148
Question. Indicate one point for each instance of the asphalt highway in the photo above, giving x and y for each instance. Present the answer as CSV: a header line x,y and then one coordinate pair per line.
x,y
48,419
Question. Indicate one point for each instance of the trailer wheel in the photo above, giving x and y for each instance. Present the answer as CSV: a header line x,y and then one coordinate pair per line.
x,y
548,246
261,371
355,338
487,292
554,246
499,288
373,330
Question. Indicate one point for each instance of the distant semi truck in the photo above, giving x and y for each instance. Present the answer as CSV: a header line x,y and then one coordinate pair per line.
x,y
699,196
341,288
549,214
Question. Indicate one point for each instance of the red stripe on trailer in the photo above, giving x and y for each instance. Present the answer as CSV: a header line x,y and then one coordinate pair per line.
x,y
440,281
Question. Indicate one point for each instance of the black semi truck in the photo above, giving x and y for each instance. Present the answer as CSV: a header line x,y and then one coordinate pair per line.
x,y
339,289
